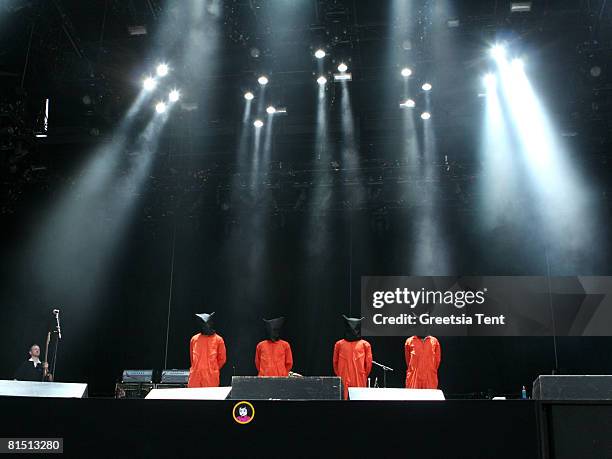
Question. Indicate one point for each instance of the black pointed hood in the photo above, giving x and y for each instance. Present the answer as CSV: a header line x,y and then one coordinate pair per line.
x,y
274,327
352,328
206,323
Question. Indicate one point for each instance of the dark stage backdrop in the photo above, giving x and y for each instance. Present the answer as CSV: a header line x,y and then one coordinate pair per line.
x,y
245,272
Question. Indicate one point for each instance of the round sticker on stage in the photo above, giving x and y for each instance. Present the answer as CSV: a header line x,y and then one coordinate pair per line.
x,y
243,412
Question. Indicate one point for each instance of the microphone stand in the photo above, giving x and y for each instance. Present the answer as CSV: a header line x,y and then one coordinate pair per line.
x,y
385,368
57,330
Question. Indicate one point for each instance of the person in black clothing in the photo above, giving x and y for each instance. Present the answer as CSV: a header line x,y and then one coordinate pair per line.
x,y
33,369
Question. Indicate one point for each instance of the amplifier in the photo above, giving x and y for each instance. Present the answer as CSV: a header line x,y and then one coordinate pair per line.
x,y
137,376
132,390
306,388
170,386
175,376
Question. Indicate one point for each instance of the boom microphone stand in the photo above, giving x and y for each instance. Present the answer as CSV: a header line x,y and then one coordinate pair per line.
x,y
385,368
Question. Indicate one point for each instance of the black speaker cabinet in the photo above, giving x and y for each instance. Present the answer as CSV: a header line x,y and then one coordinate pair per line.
x,y
301,388
574,416
572,387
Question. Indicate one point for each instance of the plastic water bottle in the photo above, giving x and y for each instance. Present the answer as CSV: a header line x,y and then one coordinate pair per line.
x,y
524,393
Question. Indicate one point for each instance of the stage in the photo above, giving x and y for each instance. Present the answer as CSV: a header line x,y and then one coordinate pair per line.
x,y
277,203
99,427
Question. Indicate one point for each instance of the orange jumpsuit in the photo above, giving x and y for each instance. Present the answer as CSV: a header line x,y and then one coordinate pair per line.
x,y
352,362
273,358
207,358
422,362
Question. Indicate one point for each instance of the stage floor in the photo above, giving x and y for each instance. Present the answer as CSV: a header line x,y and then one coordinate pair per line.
x,y
97,427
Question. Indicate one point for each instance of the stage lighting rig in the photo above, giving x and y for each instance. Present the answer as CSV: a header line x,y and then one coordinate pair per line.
x,y
174,95
408,103
149,84
498,52
162,70
343,76
489,79
520,7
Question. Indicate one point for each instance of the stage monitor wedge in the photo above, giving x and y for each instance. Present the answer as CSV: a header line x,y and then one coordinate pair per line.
x,y
174,376
367,393
10,388
193,393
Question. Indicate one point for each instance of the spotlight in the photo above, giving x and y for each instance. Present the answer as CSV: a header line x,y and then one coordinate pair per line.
x,y
343,77
174,95
149,83
498,52
262,80
321,80
319,54
426,87
517,63
453,23
408,103
489,79
162,70
595,71
135,30
271,110
520,7
406,72
425,115
249,95
342,67
258,123
160,107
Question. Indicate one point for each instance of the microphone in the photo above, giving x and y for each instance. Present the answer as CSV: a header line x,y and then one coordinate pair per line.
x,y
59,330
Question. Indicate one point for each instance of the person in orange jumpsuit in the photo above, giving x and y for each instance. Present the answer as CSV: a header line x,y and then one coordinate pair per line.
x,y
207,352
352,356
423,357
273,356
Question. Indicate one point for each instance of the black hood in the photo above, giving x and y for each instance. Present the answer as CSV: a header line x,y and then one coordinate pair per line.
x,y
206,323
274,327
352,328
